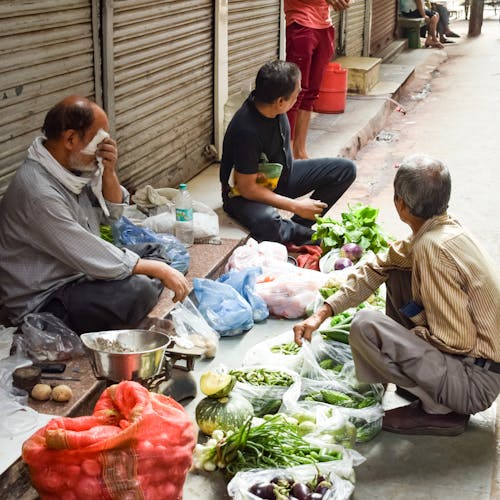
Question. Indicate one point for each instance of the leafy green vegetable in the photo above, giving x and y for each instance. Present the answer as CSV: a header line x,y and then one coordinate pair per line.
x,y
339,328
289,348
273,443
262,376
357,225
106,233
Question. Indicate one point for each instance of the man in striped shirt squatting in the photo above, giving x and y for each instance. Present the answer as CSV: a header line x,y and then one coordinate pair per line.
x,y
440,337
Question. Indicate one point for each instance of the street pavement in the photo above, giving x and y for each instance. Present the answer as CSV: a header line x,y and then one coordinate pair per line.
x,y
452,105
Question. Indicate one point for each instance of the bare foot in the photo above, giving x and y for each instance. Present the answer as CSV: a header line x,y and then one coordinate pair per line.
x,y
300,155
434,44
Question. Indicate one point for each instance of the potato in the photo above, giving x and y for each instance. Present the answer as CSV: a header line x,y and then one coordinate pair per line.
x,y
62,393
41,392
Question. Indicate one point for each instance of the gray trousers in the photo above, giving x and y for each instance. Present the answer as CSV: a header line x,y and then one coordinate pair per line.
x,y
385,350
97,305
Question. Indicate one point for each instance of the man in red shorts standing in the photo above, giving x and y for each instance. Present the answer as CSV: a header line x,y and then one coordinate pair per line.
x,y
310,40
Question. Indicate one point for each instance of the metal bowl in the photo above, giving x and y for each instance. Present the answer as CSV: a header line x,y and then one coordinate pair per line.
x,y
126,354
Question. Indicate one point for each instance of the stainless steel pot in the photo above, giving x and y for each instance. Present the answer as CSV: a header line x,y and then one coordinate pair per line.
x,y
126,354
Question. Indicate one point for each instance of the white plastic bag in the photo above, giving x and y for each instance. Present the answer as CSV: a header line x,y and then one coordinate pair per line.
x,y
261,353
289,295
159,205
252,254
238,487
266,398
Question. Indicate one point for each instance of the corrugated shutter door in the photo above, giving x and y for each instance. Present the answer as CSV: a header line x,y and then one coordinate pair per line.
x,y
335,15
383,24
355,27
46,53
253,38
163,89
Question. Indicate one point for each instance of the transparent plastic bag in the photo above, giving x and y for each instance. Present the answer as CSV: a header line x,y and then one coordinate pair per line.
x,y
47,338
243,282
127,233
238,488
264,386
224,309
324,360
272,352
190,325
328,397
288,295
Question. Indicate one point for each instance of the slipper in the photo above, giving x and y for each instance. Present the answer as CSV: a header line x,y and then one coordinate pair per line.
x,y
452,35
447,41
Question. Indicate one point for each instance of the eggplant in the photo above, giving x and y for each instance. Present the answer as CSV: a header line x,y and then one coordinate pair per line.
x,y
313,496
300,490
342,263
322,490
263,490
283,480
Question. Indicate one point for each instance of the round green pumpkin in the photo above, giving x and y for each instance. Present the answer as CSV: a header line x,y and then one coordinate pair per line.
x,y
228,413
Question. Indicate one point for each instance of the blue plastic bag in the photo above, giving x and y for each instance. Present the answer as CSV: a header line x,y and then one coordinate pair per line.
x,y
243,282
224,309
126,233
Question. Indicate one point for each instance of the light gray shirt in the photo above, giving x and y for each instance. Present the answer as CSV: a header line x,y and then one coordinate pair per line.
x,y
50,236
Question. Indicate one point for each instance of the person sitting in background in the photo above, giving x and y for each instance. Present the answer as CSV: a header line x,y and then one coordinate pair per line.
x,y
414,9
443,26
440,337
257,156
52,258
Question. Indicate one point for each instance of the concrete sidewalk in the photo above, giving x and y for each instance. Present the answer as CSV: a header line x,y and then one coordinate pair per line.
x,y
397,467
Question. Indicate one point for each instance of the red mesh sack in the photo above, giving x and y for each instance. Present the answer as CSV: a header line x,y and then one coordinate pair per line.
x,y
136,445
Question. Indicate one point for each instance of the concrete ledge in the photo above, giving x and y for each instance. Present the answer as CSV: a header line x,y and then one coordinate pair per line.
x,y
207,261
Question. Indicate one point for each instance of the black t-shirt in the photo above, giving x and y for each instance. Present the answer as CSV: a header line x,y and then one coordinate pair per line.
x,y
249,135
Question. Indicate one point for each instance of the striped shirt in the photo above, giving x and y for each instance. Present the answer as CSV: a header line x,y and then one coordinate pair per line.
x,y
50,236
453,279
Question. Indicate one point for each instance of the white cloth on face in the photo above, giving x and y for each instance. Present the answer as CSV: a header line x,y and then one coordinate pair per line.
x,y
39,153
96,181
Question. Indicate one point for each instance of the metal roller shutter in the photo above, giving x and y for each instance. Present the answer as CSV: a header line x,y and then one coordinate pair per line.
x,y
336,24
162,89
383,24
46,53
355,27
253,39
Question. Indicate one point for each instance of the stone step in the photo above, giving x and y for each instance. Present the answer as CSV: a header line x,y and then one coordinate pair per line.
x,y
207,261
362,74
387,54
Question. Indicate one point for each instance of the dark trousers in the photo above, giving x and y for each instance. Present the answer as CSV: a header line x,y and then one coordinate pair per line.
x,y
327,178
92,306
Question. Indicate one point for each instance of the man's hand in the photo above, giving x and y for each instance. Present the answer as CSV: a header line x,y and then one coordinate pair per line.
x,y
308,208
108,151
304,329
338,4
175,281
170,277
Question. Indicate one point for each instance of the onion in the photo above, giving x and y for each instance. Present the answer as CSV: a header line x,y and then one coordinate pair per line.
x,y
352,251
342,263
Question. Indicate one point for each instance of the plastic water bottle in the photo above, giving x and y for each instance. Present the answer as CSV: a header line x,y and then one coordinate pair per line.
x,y
184,216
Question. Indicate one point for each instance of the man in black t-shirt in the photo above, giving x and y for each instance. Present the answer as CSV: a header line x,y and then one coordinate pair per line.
x,y
258,174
